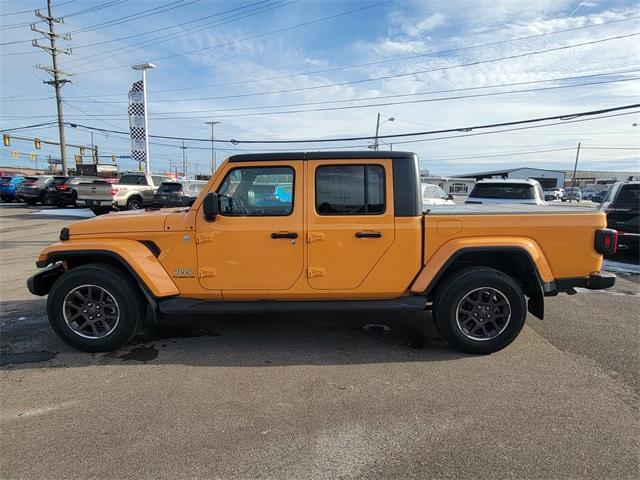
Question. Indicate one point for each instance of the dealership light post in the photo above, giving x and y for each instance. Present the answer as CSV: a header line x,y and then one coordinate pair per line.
x,y
378,123
144,67
213,147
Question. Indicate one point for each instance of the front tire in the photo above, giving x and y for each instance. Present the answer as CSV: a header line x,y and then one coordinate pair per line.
x,y
479,310
95,308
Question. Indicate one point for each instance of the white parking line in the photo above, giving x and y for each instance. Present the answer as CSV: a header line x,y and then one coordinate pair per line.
x,y
37,411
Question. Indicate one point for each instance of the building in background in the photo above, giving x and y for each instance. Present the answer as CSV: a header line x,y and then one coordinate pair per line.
x,y
548,178
591,177
452,185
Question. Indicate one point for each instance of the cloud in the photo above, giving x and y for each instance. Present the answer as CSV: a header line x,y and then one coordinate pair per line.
x,y
425,25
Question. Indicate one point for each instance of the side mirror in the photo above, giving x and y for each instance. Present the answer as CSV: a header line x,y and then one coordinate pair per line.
x,y
210,206
449,197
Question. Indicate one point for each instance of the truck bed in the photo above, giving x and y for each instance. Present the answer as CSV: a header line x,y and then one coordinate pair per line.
x,y
513,209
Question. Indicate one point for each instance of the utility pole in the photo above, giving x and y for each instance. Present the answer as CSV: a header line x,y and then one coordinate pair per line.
x,y
375,144
184,160
573,180
57,81
213,147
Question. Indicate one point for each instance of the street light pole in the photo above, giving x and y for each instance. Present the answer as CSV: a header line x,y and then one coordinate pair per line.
x,y
144,67
213,147
378,123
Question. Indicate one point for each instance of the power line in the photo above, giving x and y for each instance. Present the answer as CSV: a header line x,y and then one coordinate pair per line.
x,y
31,11
564,117
378,97
284,29
27,127
417,72
356,107
215,23
409,57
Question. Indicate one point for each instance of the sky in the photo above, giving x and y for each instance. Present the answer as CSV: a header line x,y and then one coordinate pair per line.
x,y
276,70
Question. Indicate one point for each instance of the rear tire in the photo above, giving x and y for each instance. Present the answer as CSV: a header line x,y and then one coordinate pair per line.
x,y
134,204
479,310
95,307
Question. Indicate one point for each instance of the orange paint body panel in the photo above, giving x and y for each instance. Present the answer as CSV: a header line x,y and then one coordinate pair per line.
x,y
236,257
138,256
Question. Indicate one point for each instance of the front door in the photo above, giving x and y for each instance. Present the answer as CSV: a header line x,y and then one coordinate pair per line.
x,y
256,241
350,220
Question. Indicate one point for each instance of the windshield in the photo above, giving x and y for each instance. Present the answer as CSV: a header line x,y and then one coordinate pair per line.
x,y
433,191
510,191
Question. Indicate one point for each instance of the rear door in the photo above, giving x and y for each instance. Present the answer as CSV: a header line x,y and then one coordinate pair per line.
x,y
350,220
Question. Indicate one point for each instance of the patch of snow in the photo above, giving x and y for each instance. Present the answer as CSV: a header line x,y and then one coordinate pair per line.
x,y
619,267
66,212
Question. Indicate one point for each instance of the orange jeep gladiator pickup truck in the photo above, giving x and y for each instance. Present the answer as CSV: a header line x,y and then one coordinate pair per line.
x,y
331,231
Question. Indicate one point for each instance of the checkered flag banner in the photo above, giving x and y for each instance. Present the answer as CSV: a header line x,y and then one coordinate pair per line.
x,y
136,122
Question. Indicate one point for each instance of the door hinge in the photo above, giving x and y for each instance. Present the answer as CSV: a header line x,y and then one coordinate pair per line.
x,y
206,272
315,236
315,272
205,237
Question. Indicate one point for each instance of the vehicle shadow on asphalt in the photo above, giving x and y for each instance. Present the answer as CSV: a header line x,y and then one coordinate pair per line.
x,y
27,341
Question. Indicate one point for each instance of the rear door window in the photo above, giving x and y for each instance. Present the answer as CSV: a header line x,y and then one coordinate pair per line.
x,y
169,187
350,190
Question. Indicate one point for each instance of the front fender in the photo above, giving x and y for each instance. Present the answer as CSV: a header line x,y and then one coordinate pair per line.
x,y
448,252
132,255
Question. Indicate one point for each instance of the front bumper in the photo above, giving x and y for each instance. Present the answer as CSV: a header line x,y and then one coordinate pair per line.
x,y
40,284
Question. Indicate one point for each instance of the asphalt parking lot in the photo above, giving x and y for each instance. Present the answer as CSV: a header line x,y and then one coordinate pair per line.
x,y
375,396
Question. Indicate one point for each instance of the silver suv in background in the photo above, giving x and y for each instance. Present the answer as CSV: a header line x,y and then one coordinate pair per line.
x,y
178,194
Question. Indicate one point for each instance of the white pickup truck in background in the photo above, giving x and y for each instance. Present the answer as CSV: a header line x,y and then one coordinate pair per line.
x,y
505,191
132,191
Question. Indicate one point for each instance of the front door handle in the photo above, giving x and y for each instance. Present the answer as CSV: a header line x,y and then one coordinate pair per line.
x,y
284,235
368,235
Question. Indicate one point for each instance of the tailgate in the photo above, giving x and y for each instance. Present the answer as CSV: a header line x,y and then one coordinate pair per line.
x,y
94,191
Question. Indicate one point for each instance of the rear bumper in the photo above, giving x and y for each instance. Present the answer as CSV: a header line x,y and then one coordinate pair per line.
x,y
595,281
629,239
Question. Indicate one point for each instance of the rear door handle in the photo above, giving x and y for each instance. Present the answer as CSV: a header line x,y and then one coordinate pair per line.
x,y
368,235
284,235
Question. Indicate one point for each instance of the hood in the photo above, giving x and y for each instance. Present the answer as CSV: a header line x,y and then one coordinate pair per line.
x,y
122,222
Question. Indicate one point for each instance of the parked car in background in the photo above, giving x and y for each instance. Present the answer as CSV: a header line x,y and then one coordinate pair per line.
x,y
8,187
572,193
589,191
64,192
177,194
32,190
505,191
622,206
55,181
553,194
434,195
133,191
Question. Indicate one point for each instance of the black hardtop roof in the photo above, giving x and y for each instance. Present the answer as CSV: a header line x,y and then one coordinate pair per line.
x,y
330,155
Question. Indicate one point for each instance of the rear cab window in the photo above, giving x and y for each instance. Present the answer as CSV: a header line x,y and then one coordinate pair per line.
x,y
511,191
133,180
628,194
167,187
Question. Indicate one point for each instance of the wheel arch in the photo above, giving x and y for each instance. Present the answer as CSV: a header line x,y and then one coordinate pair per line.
x,y
136,258
515,261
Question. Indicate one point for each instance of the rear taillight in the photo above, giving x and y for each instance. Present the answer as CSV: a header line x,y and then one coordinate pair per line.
x,y
114,190
606,241
62,187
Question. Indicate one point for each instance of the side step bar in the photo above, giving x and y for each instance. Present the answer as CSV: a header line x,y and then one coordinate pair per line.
x,y
177,306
